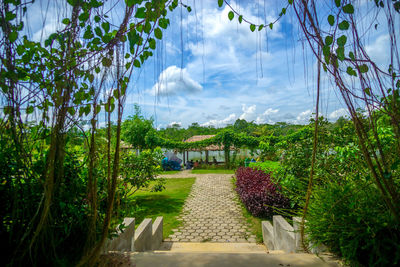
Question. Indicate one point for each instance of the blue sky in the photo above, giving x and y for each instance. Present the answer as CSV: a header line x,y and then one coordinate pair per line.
x,y
210,70
229,72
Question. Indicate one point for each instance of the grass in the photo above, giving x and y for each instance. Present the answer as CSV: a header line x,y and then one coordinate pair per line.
x,y
167,203
219,171
253,222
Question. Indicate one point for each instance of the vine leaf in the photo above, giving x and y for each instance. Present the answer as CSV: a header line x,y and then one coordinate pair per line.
x,y
331,20
348,9
344,25
220,3
252,27
231,15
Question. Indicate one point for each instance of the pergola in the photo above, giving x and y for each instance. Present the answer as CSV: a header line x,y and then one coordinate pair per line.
x,y
197,138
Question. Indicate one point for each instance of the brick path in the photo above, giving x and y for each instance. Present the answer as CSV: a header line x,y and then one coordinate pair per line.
x,y
211,213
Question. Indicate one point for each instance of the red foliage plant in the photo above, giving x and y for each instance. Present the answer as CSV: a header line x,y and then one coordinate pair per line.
x,y
258,193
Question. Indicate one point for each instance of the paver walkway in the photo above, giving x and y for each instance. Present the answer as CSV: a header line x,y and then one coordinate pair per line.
x,y
211,212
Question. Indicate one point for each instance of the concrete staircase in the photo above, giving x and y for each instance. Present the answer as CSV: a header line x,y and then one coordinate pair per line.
x,y
191,254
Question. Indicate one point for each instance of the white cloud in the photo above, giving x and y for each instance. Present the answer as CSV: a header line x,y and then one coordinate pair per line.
x,y
379,51
303,117
342,112
248,112
174,80
220,123
266,116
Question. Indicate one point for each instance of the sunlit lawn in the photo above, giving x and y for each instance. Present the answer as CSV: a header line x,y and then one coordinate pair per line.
x,y
167,203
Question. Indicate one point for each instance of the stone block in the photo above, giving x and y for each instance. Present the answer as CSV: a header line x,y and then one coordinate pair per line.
x,y
124,241
157,235
268,234
284,238
297,235
143,236
315,249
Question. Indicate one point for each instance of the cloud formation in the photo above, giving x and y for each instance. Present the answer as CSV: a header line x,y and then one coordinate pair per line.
x,y
174,80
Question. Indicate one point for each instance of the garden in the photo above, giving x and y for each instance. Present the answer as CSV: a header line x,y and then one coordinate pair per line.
x,y
73,165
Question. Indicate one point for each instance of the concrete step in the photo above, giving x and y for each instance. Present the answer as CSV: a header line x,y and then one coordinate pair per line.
x,y
207,247
208,259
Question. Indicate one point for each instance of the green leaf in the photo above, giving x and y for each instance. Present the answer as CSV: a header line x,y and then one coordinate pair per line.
x,y
331,20
84,16
97,69
136,63
189,9
337,3
368,91
220,3
290,2
351,72
88,33
283,12
363,68
98,109
163,23
231,15
341,41
105,26
351,55
240,19
328,40
130,3
340,53
97,19
29,110
252,27
106,62
158,33
348,9
10,16
147,27
66,21
141,13
152,43
13,36
344,25
271,25
260,27
98,31
128,65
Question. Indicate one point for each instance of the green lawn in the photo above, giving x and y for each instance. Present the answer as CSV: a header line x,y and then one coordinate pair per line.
x,y
168,203
220,171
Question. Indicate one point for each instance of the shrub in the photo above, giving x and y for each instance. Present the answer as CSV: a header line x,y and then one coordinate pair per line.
x,y
354,223
258,193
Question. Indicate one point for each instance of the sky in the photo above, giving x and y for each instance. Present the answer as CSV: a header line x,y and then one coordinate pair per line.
x,y
213,71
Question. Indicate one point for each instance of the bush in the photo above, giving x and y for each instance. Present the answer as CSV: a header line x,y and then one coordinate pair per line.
x,y
354,223
258,193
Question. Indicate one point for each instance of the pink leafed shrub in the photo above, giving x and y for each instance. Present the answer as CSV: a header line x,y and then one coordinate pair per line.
x,y
258,193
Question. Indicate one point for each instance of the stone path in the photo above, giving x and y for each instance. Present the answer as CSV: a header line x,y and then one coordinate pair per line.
x,y
211,212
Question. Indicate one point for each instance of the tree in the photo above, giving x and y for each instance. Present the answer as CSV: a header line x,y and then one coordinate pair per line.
x,y
59,83
136,128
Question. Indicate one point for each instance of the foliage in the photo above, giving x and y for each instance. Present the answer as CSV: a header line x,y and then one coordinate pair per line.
x,y
352,220
139,171
58,83
266,166
138,131
258,192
